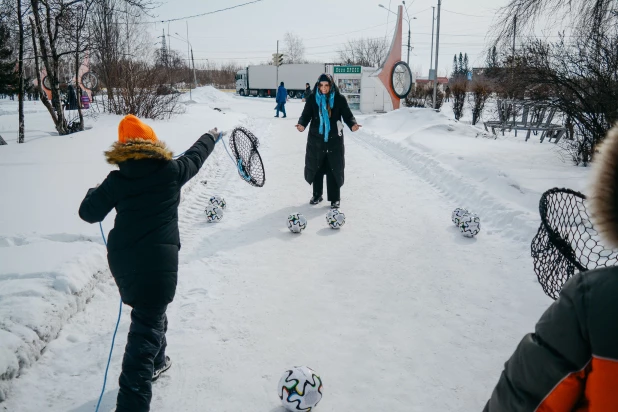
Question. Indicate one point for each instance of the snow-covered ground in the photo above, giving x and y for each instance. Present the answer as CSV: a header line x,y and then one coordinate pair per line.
x,y
396,311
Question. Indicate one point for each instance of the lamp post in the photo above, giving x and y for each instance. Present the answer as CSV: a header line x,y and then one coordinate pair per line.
x,y
433,19
435,83
407,20
190,58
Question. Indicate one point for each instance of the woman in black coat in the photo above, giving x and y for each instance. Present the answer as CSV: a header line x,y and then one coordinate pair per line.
x,y
142,248
325,109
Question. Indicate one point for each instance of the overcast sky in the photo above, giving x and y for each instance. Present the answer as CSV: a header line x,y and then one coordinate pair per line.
x,y
249,34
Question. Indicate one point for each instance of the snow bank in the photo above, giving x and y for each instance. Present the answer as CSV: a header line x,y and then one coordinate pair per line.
x,y
500,179
50,260
208,95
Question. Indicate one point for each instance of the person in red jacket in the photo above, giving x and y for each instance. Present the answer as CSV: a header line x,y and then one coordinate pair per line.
x,y
570,362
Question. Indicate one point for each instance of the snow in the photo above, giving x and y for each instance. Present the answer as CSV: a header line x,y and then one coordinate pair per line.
x,y
397,295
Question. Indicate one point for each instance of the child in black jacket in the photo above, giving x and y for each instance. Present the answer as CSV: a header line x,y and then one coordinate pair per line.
x,y
142,248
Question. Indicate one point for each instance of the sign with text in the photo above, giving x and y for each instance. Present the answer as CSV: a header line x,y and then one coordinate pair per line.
x,y
347,69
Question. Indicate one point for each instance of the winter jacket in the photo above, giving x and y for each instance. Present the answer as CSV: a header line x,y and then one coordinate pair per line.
x,y
282,95
142,248
317,149
570,362
307,93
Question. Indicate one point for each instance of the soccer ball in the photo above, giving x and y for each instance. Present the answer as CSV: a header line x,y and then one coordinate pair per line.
x,y
213,213
458,214
335,218
218,201
470,225
297,222
300,389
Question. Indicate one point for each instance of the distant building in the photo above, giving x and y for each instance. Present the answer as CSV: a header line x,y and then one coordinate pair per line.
x,y
442,82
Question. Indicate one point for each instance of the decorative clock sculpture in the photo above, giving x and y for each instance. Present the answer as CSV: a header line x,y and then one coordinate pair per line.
x,y
401,79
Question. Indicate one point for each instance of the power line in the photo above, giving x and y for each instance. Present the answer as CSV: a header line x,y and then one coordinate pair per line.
x,y
419,12
469,15
203,14
341,34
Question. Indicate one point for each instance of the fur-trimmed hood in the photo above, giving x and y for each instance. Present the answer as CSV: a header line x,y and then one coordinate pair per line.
x,y
604,196
137,149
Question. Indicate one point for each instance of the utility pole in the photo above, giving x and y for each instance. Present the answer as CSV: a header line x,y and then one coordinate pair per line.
x,y
408,61
188,57
193,62
409,21
433,21
277,82
435,83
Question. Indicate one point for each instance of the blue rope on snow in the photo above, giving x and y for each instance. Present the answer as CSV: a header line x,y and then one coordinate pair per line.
x,y
113,338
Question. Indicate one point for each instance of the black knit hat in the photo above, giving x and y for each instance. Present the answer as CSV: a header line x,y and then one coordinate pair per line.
x,y
324,78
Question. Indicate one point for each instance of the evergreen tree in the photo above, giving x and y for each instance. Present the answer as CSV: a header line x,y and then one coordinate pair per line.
x,y
455,68
460,69
8,74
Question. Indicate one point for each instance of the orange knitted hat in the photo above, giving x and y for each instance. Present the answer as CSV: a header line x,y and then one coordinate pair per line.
x,y
133,128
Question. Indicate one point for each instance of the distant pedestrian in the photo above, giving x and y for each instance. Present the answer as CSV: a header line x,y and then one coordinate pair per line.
x,y
307,92
282,98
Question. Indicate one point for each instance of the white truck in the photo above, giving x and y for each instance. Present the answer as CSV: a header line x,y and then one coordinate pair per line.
x,y
262,80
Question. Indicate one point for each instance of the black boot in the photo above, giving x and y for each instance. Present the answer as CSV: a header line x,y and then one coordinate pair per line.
x,y
335,204
162,368
315,200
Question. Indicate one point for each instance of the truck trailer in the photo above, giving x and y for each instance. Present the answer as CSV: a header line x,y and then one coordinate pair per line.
x,y
262,80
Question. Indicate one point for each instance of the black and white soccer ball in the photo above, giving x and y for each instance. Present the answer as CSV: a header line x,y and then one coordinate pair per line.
x,y
218,201
335,218
297,222
300,389
458,214
470,225
214,213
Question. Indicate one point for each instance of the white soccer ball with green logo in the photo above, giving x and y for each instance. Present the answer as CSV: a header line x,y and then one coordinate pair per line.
x,y
300,389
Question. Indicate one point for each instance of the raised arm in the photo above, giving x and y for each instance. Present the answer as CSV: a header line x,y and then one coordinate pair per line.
x,y
193,159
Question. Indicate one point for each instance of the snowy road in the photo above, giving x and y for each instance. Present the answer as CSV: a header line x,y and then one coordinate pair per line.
x,y
396,311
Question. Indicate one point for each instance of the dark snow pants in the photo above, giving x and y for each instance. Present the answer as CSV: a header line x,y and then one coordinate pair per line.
x,y
145,352
334,191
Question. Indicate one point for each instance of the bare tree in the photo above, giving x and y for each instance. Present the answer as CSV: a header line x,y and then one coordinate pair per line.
x,y
79,42
222,76
105,30
480,91
422,96
580,79
136,79
293,48
20,70
364,52
590,17
459,88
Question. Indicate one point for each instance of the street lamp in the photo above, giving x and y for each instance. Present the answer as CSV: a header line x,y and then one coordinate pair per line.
x,y
189,58
407,20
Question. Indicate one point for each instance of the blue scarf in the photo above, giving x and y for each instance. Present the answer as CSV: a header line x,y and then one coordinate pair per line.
x,y
324,119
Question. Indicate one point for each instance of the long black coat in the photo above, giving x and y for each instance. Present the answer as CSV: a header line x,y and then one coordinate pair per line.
x,y
142,248
317,149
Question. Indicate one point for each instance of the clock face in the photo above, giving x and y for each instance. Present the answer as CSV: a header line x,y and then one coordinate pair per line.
x,y
46,83
90,80
401,79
